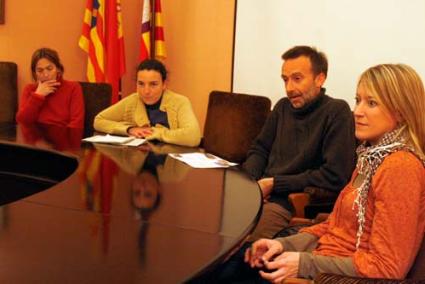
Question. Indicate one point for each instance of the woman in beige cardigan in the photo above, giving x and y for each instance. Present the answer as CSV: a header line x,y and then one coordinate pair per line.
x,y
153,112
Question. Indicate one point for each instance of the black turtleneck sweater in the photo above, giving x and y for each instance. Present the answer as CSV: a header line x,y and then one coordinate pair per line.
x,y
156,115
309,146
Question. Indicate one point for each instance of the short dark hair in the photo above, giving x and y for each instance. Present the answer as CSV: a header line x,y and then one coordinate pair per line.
x,y
153,64
319,62
49,54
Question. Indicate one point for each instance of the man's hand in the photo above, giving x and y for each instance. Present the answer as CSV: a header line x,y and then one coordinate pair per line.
x,y
262,251
47,87
284,266
140,132
266,185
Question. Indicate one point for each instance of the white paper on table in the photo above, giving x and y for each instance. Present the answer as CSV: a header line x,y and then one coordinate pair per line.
x,y
118,140
202,160
135,142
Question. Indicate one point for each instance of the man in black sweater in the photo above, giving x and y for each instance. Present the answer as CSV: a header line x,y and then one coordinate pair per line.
x,y
308,140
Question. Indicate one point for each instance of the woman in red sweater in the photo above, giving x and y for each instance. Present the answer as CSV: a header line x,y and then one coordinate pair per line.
x,y
51,99
378,221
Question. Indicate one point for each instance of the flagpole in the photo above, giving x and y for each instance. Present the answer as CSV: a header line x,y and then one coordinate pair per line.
x,y
152,55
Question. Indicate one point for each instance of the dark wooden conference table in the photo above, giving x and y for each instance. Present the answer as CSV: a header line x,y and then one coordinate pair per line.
x,y
72,212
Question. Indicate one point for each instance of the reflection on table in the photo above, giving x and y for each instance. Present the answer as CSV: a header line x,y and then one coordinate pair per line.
x,y
125,215
50,136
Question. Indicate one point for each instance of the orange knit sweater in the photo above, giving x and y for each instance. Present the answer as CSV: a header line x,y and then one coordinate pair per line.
x,y
394,225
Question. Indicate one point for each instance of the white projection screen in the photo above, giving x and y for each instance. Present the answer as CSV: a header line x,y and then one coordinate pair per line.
x,y
354,34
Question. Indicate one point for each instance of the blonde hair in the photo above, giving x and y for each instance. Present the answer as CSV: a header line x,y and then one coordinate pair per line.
x,y
401,91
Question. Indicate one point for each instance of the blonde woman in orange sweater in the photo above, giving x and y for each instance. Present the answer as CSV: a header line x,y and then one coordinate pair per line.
x,y
378,221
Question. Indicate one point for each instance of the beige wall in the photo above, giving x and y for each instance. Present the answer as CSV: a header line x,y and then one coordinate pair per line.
x,y
198,34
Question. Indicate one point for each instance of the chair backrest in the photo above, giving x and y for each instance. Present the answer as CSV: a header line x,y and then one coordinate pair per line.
x,y
8,91
97,97
232,123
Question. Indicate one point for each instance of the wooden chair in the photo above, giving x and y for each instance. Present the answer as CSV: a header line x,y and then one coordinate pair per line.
x,y
8,91
97,97
233,121
312,201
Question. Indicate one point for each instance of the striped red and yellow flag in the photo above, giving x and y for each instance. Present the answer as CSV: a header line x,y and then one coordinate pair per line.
x,y
145,39
92,39
102,39
160,51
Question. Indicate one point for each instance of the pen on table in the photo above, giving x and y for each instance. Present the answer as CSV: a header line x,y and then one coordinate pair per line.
x,y
209,156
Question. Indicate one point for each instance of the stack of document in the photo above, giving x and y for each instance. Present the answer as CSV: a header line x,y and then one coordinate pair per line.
x,y
202,160
113,139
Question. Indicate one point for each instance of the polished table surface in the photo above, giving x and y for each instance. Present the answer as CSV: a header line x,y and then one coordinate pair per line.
x,y
111,214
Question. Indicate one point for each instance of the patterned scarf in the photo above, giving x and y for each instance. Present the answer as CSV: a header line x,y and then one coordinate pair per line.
x,y
369,158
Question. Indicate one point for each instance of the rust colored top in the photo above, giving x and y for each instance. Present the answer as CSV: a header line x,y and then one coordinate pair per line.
x,y
394,225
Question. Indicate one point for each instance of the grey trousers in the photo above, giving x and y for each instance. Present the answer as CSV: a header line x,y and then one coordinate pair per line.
x,y
273,219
